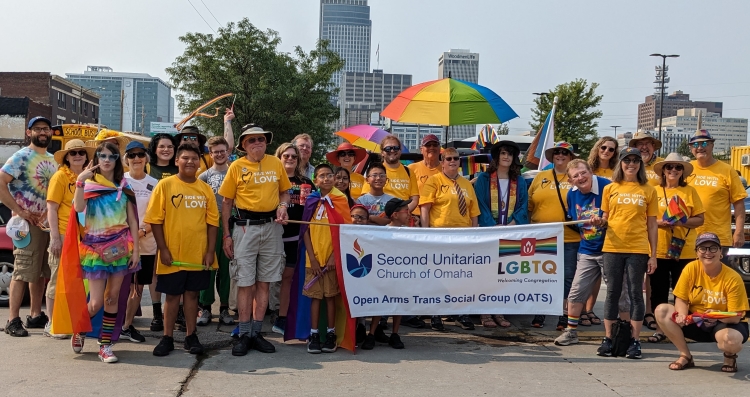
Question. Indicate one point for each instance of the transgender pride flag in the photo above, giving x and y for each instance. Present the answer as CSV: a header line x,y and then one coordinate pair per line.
x,y
544,140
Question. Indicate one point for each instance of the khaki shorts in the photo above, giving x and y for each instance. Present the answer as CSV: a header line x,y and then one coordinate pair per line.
x,y
327,285
54,263
258,254
31,262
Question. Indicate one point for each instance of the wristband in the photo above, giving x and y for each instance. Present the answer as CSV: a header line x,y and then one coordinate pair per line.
x,y
283,204
80,184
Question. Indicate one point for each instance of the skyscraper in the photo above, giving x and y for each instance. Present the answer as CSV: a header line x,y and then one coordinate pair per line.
x,y
346,25
460,65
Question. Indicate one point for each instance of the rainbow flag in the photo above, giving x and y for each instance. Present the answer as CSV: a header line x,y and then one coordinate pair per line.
x,y
487,137
527,247
676,211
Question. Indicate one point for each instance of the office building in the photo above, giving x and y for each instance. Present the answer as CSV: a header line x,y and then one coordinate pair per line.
x,y
461,65
346,25
363,94
411,134
727,131
129,101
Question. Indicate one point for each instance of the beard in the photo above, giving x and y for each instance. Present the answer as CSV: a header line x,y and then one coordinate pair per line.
x,y
37,140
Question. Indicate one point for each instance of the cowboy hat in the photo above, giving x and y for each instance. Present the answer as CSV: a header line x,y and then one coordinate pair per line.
x,y
72,145
641,135
673,158
333,156
559,145
191,129
252,129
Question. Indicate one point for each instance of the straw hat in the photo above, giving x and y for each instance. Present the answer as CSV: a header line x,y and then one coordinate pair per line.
x,y
641,135
674,158
359,154
559,145
72,145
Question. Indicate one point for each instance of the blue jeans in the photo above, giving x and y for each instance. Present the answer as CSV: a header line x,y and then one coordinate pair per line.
x,y
570,260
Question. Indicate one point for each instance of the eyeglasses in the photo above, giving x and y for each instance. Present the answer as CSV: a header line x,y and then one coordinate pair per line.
x,y
359,217
140,155
711,248
560,151
670,167
607,148
252,140
189,138
325,176
289,156
431,144
77,152
41,129
389,149
449,159
349,153
628,160
219,152
110,157
699,144
376,176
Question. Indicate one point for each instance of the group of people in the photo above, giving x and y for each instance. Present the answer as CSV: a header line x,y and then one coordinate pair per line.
x,y
190,221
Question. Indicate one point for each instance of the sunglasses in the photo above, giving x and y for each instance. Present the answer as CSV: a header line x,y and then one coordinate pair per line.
x,y
607,148
628,160
711,248
348,153
390,149
252,140
670,167
110,157
449,159
77,153
699,144
289,156
560,151
189,138
140,155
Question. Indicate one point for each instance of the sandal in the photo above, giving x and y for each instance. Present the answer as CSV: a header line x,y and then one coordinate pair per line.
x,y
650,324
678,366
656,338
594,319
584,320
730,368
538,321
487,321
501,321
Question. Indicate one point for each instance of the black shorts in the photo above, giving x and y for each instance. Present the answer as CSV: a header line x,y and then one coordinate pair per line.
x,y
290,249
146,274
184,280
697,334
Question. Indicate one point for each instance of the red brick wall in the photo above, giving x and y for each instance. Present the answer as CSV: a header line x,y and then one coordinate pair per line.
x,y
34,85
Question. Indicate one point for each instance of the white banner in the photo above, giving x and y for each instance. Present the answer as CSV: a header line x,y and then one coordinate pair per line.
x,y
423,271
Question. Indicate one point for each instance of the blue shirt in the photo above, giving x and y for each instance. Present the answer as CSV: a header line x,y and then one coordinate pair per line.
x,y
583,206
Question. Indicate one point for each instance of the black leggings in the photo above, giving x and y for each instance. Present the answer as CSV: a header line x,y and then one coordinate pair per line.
x,y
666,275
614,267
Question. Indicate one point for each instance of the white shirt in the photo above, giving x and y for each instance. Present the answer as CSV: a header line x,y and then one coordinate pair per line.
x,y
143,189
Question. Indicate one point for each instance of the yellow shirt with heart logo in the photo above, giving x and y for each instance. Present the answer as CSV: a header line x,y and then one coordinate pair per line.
x,y
255,186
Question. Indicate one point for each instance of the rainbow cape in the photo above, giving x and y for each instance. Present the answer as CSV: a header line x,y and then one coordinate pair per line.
x,y
298,318
71,314
676,211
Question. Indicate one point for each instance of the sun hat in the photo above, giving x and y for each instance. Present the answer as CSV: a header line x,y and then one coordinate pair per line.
x,y
72,145
191,129
252,129
558,145
707,237
333,156
17,229
700,136
105,134
628,151
394,204
642,135
673,158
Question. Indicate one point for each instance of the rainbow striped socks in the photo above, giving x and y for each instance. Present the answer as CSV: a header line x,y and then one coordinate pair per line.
x,y
108,325
573,322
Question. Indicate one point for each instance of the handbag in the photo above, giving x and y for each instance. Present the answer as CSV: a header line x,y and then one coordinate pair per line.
x,y
112,250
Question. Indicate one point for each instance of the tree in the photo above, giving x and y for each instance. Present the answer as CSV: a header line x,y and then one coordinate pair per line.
x,y
684,150
502,129
575,116
284,93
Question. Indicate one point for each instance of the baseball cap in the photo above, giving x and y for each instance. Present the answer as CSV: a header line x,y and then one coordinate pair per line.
x,y
134,145
629,151
17,229
430,138
38,118
707,237
394,204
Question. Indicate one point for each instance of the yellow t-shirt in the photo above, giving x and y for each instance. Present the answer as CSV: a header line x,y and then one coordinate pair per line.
x,y
725,292
718,187
320,236
62,192
356,182
604,173
202,167
694,207
544,204
628,204
184,209
440,191
255,186
421,172
400,184
653,179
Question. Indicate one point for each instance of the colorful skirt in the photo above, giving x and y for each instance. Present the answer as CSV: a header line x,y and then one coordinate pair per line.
x,y
94,266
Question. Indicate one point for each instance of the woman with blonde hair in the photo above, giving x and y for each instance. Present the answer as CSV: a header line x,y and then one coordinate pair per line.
x,y
602,159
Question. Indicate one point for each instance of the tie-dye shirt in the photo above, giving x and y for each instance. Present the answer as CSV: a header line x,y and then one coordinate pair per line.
x,y
31,174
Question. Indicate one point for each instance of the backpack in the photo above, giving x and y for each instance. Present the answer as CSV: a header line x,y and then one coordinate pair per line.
x,y
622,332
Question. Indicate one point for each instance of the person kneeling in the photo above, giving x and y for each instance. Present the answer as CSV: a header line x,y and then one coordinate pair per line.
x,y
184,218
706,285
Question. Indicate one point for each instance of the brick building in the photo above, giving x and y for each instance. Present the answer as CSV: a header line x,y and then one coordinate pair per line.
x,y
648,111
68,102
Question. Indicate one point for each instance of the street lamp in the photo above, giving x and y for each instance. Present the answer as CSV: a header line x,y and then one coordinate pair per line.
x,y
661,99
615,127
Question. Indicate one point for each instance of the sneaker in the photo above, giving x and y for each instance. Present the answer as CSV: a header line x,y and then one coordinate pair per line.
x,y
225,318
242,346
193,345
106,355
15,328
204,318
76,342
562,323
166,345
380,335
384,322
279,326
313,344
605,349
360,334
180,322
329,346
634,350
262,345
436,323
395,341
48,333
568,337
369,342
538,321
157,324
413,322
235,334
37,322
132,334
465,322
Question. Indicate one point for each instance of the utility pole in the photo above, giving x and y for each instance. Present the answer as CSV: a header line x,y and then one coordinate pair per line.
x,y
122,103
143,117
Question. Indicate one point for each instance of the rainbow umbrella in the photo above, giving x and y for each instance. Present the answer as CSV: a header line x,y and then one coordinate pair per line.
x,y
366,136
449,102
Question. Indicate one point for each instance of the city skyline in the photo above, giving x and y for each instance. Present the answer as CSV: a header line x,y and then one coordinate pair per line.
x,y
526,50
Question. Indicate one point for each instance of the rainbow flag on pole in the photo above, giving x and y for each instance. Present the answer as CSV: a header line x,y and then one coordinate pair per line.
x,y
676,211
